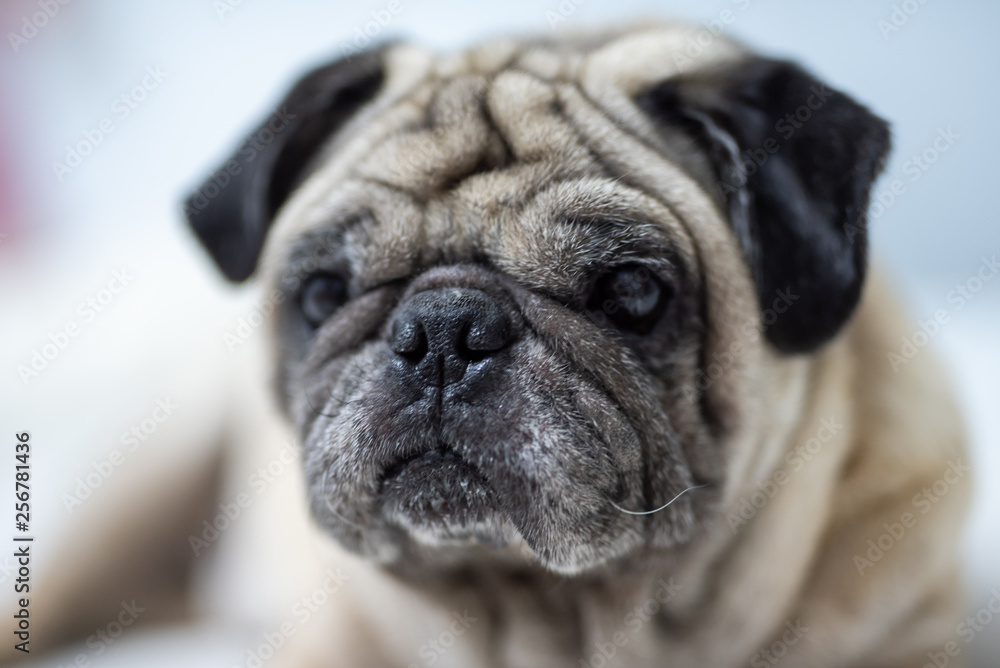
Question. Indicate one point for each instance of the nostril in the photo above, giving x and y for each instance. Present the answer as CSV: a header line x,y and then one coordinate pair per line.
x,y
486,334
469,350
409,340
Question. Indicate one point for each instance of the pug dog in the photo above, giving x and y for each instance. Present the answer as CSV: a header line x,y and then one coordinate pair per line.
x,y
575,345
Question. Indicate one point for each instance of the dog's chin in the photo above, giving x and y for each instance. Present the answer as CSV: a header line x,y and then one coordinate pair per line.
x,y
439,499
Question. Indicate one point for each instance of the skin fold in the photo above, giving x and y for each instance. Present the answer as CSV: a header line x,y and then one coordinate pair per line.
x,y
643,306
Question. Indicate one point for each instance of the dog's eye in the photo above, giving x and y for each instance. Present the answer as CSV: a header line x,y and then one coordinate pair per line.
x,y
321,296
630,297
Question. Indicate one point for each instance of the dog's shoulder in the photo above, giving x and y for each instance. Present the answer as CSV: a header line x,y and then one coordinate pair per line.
x,y
908,422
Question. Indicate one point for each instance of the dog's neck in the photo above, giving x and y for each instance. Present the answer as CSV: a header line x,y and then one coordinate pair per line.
x,y
480,614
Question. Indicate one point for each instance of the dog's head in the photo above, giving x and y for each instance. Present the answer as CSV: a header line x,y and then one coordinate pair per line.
x,y
528,288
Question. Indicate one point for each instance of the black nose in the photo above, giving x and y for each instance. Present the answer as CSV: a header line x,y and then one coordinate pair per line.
x,y
440,332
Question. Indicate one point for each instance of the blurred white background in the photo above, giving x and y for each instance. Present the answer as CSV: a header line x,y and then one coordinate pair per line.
x,y
221,64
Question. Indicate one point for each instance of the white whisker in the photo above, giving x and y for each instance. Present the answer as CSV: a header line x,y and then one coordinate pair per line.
x,y
650,512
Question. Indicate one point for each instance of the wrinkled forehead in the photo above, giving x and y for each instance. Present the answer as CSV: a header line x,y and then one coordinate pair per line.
x,y
464,154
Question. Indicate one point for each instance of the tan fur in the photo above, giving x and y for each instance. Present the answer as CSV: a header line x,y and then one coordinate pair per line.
x,y
405,158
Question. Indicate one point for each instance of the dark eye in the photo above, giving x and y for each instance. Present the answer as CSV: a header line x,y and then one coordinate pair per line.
x,y
321,296
630,297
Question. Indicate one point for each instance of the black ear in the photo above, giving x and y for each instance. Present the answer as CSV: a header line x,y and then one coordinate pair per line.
x,y
794,161
231,212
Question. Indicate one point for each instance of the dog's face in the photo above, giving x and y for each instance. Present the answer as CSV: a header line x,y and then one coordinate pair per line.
x,y
507,279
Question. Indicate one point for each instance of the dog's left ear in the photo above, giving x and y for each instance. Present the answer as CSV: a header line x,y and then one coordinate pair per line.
x,y
232,211
794,161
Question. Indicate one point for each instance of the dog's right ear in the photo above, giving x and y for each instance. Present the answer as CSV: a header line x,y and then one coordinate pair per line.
x,y
233,209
